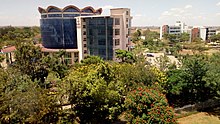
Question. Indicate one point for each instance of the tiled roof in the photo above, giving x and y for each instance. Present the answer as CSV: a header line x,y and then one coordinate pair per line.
x,y
8,49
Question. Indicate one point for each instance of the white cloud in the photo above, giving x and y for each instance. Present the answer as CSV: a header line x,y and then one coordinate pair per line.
x,y
188,6
218,4
176,12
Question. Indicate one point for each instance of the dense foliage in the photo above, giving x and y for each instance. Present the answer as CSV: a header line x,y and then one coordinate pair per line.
x,y
148,106
40,88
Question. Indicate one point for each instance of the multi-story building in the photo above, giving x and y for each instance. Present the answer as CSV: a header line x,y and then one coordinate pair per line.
x,y
195,33
95,36
207,32
176,29
84,31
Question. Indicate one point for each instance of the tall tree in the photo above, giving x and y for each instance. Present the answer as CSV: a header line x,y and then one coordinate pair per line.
x,y
125,56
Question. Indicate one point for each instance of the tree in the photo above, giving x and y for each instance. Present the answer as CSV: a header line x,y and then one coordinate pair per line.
x,y
29,61
125,56
188,82
95,93
212,76
148,106
215,37
136,35
184,37
92,60
23,101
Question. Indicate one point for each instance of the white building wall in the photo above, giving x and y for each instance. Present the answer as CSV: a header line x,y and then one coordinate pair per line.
x,y
125,25
203,33
79,30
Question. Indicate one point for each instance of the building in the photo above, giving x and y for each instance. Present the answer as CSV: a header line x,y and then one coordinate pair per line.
x,y
207,32
84,31
195,33
176,29
95,36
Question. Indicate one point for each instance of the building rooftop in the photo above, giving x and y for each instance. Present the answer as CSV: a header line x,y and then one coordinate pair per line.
x,y
8,49
70,8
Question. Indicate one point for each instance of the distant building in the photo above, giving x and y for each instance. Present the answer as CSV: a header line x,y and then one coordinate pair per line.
x,y
176,29
207,32
195,33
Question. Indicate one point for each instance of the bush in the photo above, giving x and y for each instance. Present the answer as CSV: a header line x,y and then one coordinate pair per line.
x,y
148,106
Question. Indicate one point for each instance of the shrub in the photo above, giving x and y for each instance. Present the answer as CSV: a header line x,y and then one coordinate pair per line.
x,y
148,106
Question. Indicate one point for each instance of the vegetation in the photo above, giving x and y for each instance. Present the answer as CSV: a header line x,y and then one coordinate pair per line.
x,y
148,106
39,88
13,35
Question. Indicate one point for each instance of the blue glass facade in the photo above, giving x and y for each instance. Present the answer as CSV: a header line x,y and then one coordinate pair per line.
x,y
58,26
59,33
100,37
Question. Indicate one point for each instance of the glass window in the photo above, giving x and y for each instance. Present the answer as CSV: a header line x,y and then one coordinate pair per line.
x,y
84,33
117,31
117,21
43,16
126,19
117,42
101,42
70,15
102,52
71,10
76,54
101,31
55,15
101,22
84,26
85,51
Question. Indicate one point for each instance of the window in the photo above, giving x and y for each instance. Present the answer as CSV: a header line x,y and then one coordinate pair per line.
x,y
84,39
101,42
126,19
102,52
117,42
101,22
55,15
84,26
117,31
117,21
84,33
127,13
85,51
76,54
101,32
126,25
85,45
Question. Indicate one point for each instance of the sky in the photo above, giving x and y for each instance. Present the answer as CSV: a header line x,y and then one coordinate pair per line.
x,y
144,12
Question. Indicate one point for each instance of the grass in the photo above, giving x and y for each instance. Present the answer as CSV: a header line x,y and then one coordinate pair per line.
x,y
208,116
199,118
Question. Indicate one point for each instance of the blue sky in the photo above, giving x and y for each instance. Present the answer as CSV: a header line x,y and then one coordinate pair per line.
x,y
144,12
